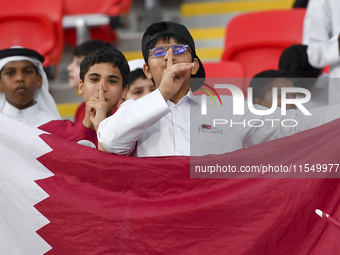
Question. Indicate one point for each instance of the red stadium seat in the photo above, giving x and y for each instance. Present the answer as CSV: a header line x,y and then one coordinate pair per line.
x,y
271,65
254,39
18,30
34,24
233,72
224,69
115,9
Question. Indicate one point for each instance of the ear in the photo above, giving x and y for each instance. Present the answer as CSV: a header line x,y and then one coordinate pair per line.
x,y
196,67
125,91
147,71
81,88
39,81
258,101
1,88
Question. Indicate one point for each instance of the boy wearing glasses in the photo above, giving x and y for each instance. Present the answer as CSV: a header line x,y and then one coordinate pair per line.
x,y
162,116
158,124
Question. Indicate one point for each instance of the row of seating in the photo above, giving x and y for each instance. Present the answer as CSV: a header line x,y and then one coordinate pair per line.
x,y
257,40
37,24
254,42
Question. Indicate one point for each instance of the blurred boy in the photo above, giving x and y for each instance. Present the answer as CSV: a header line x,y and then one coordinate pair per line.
x,y
263,84
294,60
138,84
103,74
80,52
24,91
321,32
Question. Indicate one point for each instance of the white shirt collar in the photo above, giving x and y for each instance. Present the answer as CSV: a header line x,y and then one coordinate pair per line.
x,y
21,115
188,98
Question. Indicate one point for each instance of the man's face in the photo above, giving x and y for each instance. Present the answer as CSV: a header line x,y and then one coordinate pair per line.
x,y
156,65
19,81
73,72
106,75
139,88
279,83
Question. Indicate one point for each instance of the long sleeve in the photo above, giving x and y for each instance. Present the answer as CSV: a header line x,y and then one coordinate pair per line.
x,y
321,31
297,121
118,133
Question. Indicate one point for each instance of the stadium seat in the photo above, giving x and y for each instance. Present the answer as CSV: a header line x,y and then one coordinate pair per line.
x,y
34,24
229,72
255,39
271,65
117,10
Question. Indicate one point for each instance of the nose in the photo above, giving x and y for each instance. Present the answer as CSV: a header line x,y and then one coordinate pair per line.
x,y
102,85
69,67
19,76
169,53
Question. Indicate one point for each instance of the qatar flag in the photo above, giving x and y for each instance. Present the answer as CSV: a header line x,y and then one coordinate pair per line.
x,y
59,197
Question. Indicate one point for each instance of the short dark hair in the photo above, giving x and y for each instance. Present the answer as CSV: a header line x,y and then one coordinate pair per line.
x,y
106,55
85,48
294,60
262,82
134,75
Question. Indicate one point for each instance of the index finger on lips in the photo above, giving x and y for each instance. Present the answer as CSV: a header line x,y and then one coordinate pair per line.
x,y
101,92
184,66
169,60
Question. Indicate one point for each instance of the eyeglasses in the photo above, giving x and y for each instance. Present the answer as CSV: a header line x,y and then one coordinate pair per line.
x,y
176,49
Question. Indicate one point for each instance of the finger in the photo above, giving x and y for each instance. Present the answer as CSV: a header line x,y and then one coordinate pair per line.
x,y
170,56
101,92
182,67
91,112
92,106
93,100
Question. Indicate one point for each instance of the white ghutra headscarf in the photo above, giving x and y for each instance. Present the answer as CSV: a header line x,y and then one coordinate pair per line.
x,y
42,96
136,64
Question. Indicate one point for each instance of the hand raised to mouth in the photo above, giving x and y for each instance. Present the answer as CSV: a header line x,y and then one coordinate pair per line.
x,y
173,76
96,108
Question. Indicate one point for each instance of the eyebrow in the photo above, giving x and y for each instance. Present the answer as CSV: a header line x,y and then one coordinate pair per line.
x,y
110,76
14,68
142,87
136,88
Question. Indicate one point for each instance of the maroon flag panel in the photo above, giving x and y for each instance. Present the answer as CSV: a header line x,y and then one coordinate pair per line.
x,y
107,204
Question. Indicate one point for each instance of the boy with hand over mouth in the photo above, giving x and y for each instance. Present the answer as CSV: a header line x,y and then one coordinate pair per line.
x,y
169,53
104,74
